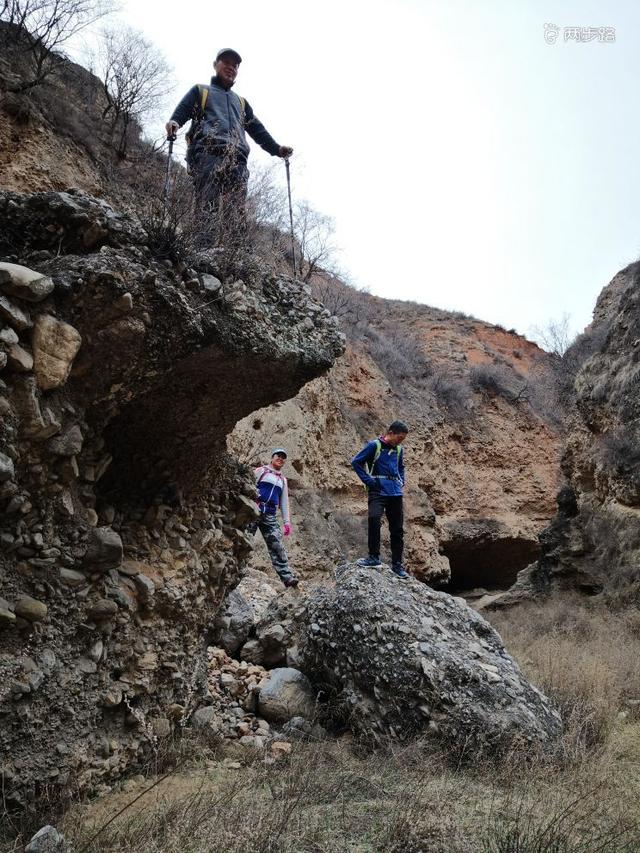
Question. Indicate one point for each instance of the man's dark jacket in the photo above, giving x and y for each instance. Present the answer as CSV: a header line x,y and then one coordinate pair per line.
x,y
224,121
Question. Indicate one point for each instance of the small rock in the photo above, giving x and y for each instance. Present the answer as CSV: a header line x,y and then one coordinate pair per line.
x,y
13,315
104,551
103,610
113,697
31,609
210,283
47,840
7,470
55,346
19,359
124,303
8,336
25,283
68,443
96,651
203,717
6,617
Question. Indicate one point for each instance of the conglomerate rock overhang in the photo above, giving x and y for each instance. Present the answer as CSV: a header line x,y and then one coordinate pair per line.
x,y
121,516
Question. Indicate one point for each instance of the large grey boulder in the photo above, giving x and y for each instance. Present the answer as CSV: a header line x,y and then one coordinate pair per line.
x,y
400,659
285,693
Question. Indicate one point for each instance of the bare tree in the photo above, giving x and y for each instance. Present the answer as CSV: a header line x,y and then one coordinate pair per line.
x,y
556,337
136,78
41,29
314,233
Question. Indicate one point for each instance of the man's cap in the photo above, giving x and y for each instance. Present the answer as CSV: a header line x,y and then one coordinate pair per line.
x,y
279,452
230,50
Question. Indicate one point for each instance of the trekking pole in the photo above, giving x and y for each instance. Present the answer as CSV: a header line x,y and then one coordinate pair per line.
x,y
171,138
293,242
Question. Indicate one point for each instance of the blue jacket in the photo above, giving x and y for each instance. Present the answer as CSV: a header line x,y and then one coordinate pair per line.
x,y
224,121
387,476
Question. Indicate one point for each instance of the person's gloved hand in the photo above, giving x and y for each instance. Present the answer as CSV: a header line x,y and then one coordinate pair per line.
x,y
285,151
172,128
287,529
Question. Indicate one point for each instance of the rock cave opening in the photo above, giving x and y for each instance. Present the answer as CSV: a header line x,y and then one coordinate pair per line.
x,y
492,564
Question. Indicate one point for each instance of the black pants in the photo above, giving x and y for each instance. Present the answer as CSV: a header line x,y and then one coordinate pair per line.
x,y
221,192
392,506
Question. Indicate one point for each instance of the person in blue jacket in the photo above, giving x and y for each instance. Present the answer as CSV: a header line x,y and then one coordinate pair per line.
x,y
380,466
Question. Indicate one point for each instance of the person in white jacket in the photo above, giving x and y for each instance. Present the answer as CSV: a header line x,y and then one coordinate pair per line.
x,y
273,494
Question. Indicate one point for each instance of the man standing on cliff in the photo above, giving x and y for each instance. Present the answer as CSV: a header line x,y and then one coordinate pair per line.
x,y
218,148
273,493
380,466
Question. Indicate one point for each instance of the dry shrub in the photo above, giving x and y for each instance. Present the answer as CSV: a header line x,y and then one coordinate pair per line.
x,y
451,393
584,657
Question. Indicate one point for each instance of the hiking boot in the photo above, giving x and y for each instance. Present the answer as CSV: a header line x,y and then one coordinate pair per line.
x,y
398,569
291,582
369,562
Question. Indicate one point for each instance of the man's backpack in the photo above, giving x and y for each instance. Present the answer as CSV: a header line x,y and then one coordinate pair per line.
x,y
369,468
199,115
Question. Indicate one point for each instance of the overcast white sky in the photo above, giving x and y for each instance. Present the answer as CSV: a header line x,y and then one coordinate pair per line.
x,y
468,164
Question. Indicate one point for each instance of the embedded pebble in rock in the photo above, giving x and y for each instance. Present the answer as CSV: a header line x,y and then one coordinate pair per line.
x,y
102,610
203,717
55,346
104,551
210,283
67,443
7,617
13,315
7,469
19,359
25,283
31,609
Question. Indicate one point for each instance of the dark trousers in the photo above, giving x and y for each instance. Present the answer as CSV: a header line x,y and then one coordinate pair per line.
x,y
392,506
220,183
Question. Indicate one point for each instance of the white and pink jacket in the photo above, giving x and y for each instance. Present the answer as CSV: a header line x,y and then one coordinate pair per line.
x,y
273,492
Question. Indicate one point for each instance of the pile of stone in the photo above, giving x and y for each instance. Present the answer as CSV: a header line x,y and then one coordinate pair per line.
x,y
257,708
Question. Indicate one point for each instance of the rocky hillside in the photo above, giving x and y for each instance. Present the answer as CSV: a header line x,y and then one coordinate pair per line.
x,y
482,455
593,543
122,519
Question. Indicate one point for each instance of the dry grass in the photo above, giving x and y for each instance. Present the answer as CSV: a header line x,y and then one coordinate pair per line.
x,y
326,798
584,657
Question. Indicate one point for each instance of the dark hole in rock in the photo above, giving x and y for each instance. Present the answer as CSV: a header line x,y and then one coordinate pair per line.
x,y
487,562
257,424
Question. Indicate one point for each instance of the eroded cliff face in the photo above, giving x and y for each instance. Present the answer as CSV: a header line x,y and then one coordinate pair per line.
x,y
121,515
593,542
481,484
